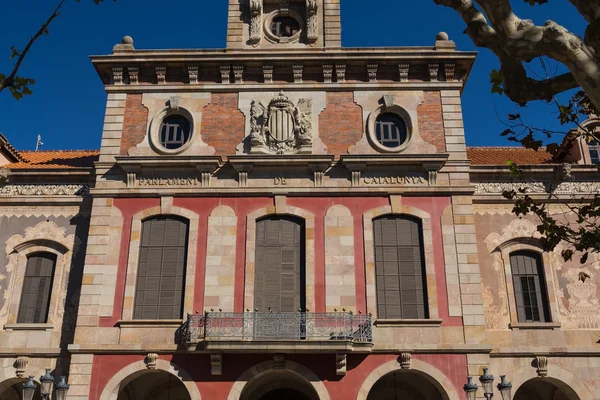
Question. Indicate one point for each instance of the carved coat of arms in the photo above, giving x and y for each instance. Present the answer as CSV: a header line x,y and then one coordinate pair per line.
x,y
281,127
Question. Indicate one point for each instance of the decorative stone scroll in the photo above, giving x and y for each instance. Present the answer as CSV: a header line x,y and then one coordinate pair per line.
x,y
281,127
150,360
216,363
542,366
256,11
404,360
340,364
312,27
44,190
21,366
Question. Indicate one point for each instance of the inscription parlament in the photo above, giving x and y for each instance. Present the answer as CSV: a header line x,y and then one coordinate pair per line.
x,y
395,180
169,182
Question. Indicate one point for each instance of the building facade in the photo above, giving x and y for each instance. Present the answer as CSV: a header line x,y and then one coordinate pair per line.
x,y
290,219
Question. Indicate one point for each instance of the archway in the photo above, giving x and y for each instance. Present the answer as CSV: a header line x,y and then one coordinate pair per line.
x,y
545,389
279,385
12,389
404,385
153,385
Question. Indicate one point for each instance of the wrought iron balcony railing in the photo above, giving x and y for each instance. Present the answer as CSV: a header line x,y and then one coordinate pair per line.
x,y
268,326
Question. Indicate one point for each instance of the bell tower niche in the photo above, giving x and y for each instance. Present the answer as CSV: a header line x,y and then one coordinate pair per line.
x,y
272,24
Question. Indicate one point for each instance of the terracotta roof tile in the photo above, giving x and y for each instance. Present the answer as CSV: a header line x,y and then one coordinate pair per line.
x,y
56,159
500,155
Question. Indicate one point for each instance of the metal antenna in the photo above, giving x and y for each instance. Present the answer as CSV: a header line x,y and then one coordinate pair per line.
x,y
39,143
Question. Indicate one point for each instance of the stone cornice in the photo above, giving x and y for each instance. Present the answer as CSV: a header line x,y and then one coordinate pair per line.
x,y
175,69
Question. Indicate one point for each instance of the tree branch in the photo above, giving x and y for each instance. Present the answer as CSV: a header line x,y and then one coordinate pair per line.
x,y
589,9
514,40
10,79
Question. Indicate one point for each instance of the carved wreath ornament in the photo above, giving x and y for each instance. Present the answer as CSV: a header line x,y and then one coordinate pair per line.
x,y
281,127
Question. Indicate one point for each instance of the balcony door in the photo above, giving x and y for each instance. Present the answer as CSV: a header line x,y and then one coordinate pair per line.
x,y
280,279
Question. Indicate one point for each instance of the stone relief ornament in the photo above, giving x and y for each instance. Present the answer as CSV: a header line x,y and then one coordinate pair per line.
x,y
495,316
312,27
538,187
281,127
584,309
44,190
256,9
4,174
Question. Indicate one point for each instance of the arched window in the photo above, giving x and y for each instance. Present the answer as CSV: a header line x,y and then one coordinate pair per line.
x,y
37,286
530,286
594,148
161,273
279,277
400,268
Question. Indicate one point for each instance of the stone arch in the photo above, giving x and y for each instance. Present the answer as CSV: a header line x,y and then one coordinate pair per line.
x,y
133,370
7,384
340,271
434,375
220,259
166,208
556,374
309,221
48,237
369,249
260,370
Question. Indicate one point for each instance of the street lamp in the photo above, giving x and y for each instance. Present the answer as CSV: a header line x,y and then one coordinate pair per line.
x,y
487,382
505,388
29,389
470,388
46,384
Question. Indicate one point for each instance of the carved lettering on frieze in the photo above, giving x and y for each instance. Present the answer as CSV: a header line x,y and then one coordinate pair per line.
x,y
279,181
395,180
44,190
177,181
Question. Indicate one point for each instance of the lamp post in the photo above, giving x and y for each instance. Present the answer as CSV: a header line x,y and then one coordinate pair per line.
x,y
46,384
470,388
487,383
505,388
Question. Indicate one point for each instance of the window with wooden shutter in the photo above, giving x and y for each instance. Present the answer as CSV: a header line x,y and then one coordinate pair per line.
x,y
530,287
400,268
161,273
279,276
37,286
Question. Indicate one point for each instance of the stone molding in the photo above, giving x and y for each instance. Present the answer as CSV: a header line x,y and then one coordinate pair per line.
x,y
111,390
567,188
433,375
425,218
309,220
134,250
259,370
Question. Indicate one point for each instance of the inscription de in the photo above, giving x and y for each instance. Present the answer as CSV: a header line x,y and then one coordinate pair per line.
x,y
395,180
280,182
169,182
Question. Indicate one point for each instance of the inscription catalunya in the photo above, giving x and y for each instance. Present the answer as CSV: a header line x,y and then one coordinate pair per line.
x,y
395,180
170,182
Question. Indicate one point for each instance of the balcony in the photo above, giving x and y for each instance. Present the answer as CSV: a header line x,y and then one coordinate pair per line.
x,y
279,332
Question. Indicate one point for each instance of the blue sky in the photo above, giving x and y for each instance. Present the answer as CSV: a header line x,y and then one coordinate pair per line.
x,y
67,106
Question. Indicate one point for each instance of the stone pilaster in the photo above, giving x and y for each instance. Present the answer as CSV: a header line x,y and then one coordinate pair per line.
x,y
80,376
113,127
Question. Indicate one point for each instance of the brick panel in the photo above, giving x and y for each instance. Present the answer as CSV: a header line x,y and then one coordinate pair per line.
x,y
341,123
431,125
223,123
135,123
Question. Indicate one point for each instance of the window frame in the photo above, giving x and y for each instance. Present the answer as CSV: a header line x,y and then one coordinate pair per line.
x,y
155,130
185,247
430,271
540,290
268,21
399,112
525,244
52,277
397,246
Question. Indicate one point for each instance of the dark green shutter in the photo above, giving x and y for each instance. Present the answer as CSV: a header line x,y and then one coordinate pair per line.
x,y
37,286
279,265
400,268
161,273
530,289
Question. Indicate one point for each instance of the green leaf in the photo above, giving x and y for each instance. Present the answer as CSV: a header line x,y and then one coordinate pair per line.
x,y
497,81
